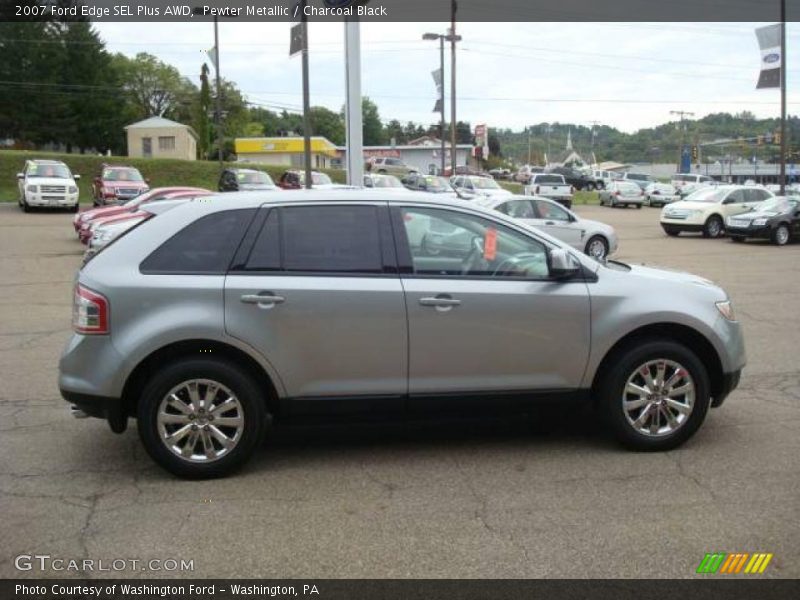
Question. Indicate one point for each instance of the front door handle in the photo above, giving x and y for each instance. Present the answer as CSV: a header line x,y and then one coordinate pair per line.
x,y
440,301
262,298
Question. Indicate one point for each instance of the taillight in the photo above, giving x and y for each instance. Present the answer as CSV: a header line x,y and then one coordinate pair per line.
x,y
89,312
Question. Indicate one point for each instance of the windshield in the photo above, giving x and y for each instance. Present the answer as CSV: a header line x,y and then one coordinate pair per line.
x,y
710,195
484,183
56,171
437,184
254,177
316,178
121,174
778,204
386,181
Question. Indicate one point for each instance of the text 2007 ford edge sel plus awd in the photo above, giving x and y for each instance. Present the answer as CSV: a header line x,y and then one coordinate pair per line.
x,y
217,315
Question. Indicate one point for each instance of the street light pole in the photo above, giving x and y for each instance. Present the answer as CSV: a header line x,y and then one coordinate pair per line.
x,y
306,103
442,38
453,8
783,97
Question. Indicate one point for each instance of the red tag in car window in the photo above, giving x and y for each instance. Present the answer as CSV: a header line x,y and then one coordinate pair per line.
x,y
490,244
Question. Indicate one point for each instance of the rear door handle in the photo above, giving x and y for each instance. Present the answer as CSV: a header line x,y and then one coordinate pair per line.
x,y
439,301
263,298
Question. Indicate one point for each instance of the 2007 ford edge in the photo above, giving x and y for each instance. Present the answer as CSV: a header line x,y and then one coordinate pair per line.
x,y
211,319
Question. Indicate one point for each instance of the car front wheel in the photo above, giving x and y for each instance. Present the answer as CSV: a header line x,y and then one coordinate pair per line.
x,y
597,247
780,236
713,227
655,396
201,418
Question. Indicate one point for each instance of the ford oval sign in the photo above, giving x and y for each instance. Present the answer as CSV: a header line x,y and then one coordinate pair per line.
x,y
772,58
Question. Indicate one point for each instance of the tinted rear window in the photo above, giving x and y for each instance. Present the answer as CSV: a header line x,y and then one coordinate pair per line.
x,y
322,239
549,179
204,247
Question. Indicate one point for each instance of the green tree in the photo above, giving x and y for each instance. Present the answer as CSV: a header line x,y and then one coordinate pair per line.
x,y
371,121
155,88
328,124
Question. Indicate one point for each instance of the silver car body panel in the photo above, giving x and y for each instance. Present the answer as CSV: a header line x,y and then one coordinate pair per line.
x,y
370,335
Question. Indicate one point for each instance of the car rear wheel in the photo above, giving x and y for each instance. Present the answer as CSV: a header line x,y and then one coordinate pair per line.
x,y
201,418
597,247
655,396
780,235
713,227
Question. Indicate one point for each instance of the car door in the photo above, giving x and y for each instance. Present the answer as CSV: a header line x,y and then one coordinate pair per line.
x,y
557,222
490,319
734,203
316,292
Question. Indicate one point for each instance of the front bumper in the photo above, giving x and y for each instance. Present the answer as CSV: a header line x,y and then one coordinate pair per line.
x,y
762,231
681,226
54,200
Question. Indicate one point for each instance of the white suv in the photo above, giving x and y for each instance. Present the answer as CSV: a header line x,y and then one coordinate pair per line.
x,y
47,183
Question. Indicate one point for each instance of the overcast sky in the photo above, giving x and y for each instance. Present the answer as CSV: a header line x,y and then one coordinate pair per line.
x,y
627,75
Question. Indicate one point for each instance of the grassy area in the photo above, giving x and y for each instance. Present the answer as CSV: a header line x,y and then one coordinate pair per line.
x,y
160,172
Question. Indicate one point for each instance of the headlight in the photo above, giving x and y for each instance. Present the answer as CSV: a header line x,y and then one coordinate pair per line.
x,y
73,189
31,189
726,310
759,222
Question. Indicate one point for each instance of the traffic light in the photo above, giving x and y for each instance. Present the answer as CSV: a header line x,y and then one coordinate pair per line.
x,y
694,153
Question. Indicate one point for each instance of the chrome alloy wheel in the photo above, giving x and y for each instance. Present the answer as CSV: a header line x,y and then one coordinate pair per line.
x,y
597,249
200,420
658,398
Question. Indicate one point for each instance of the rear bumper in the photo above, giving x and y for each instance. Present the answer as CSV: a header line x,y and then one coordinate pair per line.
x,y
730,381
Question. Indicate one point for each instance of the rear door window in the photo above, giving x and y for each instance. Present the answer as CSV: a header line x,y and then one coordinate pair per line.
x,y
319,239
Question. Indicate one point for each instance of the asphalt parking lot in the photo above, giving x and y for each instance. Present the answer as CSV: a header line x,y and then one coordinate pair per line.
x,y
458,500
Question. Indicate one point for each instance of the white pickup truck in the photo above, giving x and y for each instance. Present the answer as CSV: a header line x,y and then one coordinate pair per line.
x,y
552,186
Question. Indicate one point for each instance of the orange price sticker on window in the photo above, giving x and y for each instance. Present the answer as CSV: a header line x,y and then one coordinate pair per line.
x,y
490,244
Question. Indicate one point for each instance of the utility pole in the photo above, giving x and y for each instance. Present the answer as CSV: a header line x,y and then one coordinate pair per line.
x,y
453,159
783,98
441,38
306,102
218,109
682,114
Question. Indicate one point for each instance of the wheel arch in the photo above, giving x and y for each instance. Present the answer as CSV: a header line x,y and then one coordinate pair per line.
x,y
193,348
683,334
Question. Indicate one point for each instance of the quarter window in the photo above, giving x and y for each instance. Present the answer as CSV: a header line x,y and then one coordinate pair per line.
x,y
205,247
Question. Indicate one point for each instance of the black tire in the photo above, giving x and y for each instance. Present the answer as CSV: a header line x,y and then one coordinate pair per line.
x,y
25,206
672,232
592,240
250,396
780,235
626,363
638,206
75,208
714,227
738,239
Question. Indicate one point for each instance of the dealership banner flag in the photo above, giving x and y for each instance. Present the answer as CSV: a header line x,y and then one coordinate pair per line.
x,y
769,41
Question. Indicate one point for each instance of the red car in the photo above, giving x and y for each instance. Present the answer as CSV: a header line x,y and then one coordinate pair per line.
x,y
87,216
117,183
102,216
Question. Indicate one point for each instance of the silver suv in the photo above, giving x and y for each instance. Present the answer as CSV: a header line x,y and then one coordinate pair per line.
x,y
210,320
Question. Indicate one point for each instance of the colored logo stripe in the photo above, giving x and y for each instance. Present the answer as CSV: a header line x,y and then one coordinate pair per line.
x,y
722,562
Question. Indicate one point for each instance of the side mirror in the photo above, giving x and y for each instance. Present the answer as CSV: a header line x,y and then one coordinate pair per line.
x,y
561,264
729,201
20,175
76,177
147,181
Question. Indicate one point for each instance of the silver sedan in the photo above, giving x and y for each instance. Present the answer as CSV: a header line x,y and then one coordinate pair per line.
x,y
596,239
